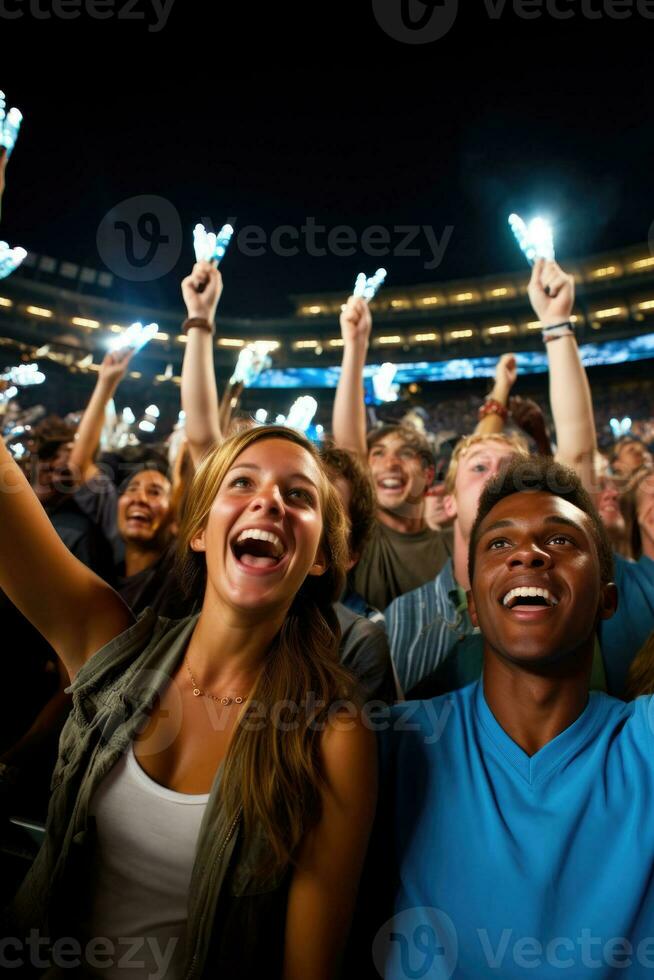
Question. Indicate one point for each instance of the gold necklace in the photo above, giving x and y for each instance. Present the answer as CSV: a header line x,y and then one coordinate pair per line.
x,y
199,693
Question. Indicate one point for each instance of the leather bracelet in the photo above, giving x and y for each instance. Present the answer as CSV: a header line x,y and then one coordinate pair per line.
x,y
492,407
199,322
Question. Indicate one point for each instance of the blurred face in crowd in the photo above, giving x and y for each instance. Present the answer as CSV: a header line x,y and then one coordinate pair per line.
x,y
631,456
435,513
537,541
608,506
53,475
399,475
645,514
476,467
145,511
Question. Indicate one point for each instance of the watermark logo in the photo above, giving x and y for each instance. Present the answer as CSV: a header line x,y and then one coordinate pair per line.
x,y
141,238
426,21
416,21
416,944
153,12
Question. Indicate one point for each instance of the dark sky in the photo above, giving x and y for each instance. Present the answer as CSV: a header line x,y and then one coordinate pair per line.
x,y
314,111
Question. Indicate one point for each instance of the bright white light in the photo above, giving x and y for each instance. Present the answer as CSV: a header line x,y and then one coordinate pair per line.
x,y
302,412
261,415
23,375
18,450
280,420
128,416
10,259
320,429
136,337
382,382
536,240
367,288
210,247
152,411
9,125
252,360
181,417
6,396
146,426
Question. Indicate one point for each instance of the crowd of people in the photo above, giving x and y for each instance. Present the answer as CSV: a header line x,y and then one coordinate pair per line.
x,y
310,712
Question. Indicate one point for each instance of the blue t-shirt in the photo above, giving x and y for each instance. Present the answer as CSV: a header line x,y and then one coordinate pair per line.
x,y
622,636
509,866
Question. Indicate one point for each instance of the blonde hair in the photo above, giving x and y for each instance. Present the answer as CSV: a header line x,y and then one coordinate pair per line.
x,y
516,442
273,773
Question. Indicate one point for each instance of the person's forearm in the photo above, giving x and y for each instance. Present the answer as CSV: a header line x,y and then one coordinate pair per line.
x,y
200,394
494,422
90,429
572,407
349,419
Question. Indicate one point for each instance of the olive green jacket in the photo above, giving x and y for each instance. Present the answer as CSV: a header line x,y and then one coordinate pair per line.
x,y
232,923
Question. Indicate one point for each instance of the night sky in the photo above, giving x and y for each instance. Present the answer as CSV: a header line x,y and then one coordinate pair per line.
x,y
314,111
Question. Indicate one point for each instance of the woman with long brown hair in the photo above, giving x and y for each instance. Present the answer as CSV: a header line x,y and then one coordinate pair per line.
x,y
216,783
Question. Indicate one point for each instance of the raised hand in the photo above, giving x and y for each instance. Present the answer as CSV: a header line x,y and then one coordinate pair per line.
x,y
202,291
356,321
114,366
506,373
551,292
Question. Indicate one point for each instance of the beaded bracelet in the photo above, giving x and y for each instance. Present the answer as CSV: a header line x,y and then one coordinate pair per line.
x,y
492,407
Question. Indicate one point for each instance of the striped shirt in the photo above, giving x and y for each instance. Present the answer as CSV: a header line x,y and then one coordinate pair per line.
x,y
424,625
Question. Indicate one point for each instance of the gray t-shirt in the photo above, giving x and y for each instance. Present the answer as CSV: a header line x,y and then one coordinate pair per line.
x,y
394,563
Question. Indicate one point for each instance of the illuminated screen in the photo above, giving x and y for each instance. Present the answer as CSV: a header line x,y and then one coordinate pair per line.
x,y
529,362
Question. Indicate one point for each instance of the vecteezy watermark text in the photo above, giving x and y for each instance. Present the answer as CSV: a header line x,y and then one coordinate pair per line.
x,y
154,12
426,21
66,953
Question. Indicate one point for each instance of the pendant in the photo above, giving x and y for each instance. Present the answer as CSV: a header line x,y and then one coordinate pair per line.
x,y
197,692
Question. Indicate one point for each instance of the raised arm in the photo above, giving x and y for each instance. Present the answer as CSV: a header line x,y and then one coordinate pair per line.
x,y
349,420
329,863
552,295
72,607
494,411
111,373
201,291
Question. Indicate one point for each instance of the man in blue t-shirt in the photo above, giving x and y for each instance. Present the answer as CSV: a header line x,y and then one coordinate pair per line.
x,y
516,832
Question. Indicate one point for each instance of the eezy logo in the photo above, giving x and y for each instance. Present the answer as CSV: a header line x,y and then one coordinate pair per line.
x,y
416,21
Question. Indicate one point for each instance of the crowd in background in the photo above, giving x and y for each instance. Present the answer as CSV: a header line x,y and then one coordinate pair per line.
x,y
399,618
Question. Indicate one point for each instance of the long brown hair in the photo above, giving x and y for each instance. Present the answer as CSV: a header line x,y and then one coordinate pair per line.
x,y
274,771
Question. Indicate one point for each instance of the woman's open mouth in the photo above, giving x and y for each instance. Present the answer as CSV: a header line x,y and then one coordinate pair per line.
x,y
258,549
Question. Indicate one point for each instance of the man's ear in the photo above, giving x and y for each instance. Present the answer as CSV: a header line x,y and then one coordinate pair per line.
x,y
449,503
472,609
198,542
320,563
608,600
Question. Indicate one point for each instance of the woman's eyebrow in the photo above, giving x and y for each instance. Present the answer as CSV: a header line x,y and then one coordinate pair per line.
x,y
293,476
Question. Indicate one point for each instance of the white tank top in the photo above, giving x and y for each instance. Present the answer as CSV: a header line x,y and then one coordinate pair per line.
x,y
146,843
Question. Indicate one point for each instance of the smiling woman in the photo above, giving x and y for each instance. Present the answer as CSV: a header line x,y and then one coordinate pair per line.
x,y
230,735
